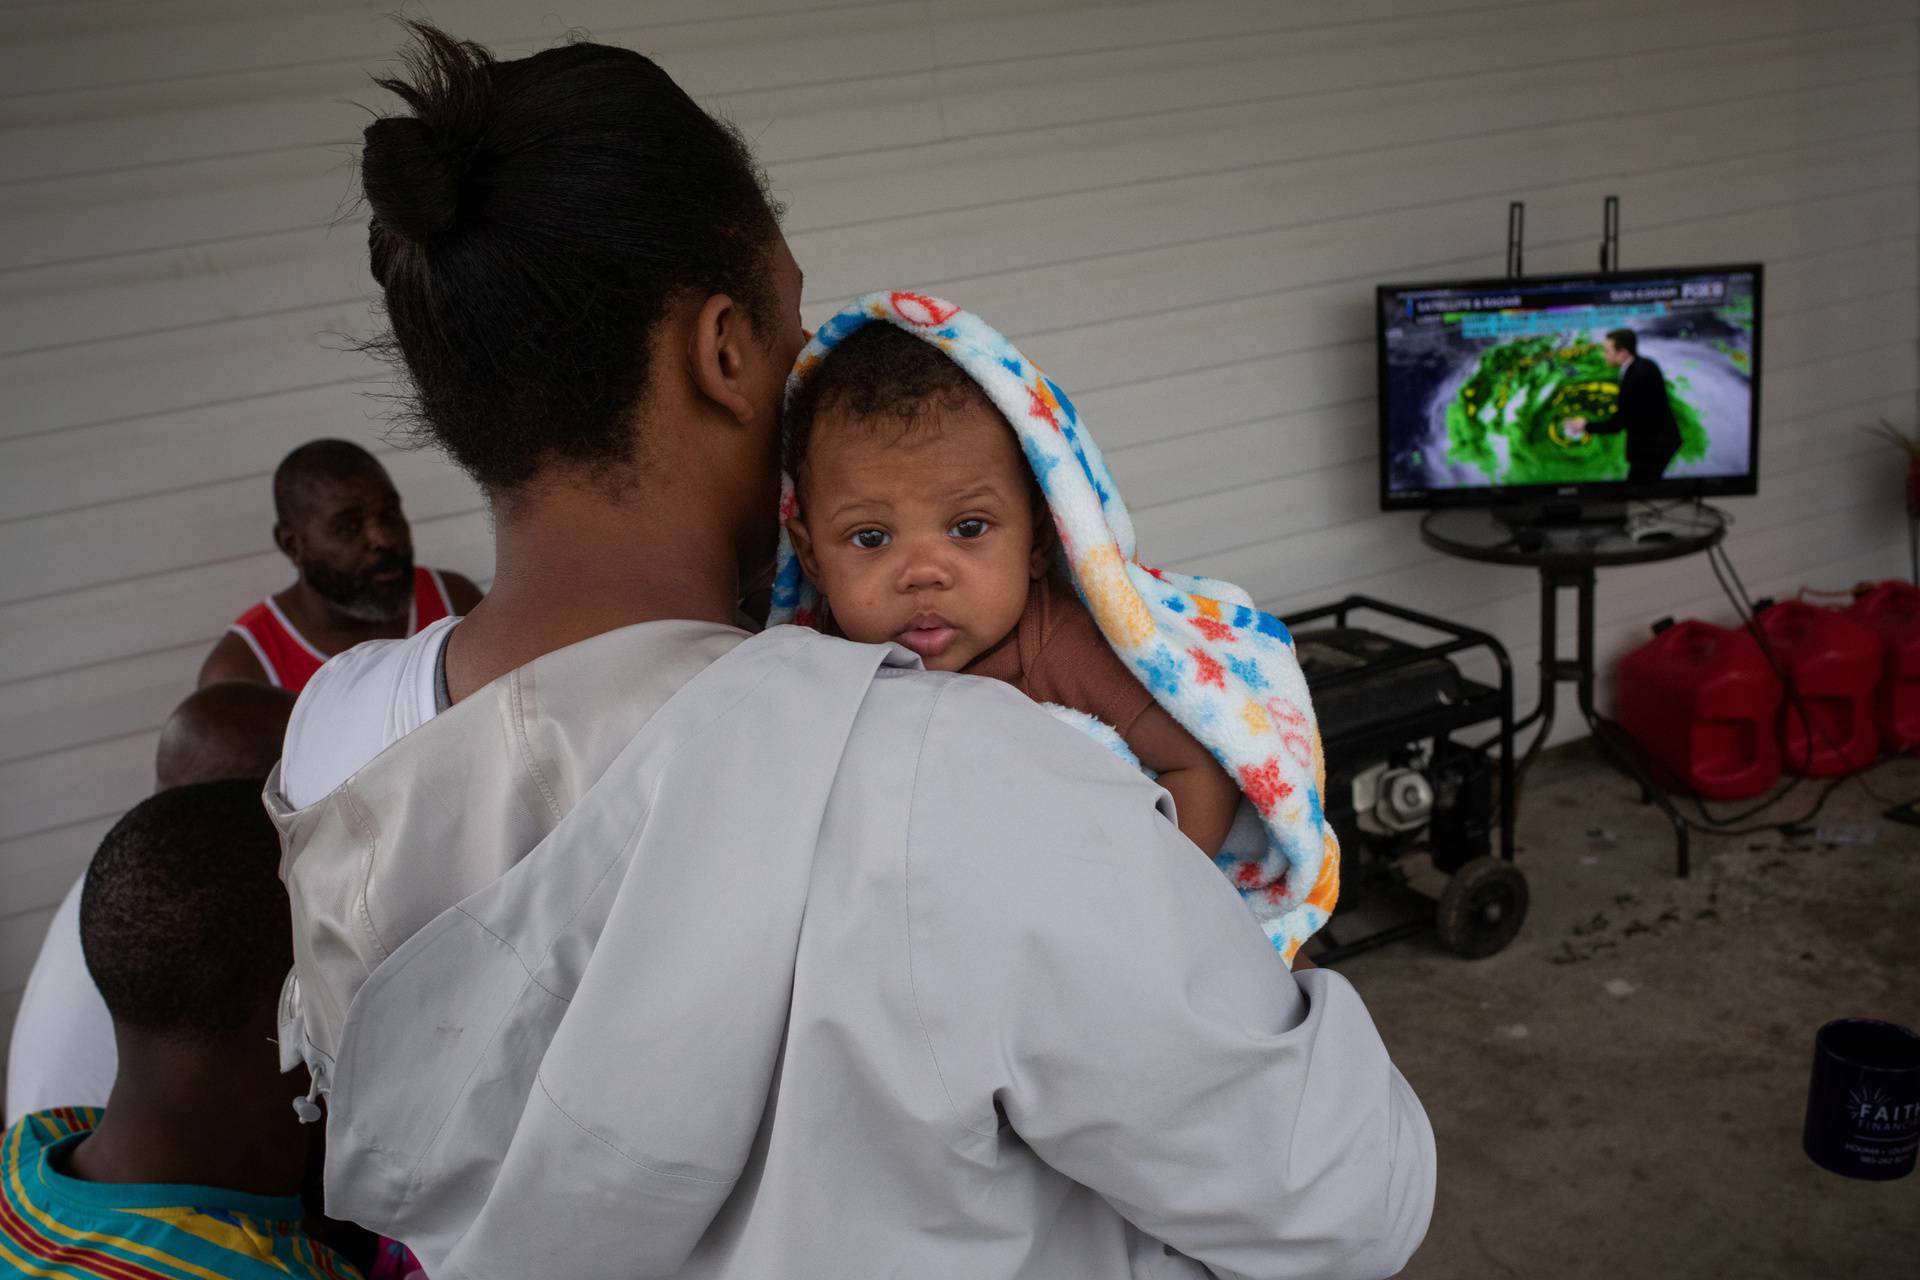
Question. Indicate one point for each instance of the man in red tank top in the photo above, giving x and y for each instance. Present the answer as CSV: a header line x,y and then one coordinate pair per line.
x,y
338,518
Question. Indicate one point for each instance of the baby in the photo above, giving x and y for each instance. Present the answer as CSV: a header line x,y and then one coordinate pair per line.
x,y
920,522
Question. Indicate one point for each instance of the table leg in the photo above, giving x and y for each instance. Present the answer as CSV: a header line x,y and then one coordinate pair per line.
x,y
1602,728
1547,693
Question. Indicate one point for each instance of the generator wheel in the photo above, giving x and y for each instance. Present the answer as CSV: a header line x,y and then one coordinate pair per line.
x,y
1482,908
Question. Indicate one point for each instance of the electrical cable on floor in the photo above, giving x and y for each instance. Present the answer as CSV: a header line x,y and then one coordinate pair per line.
x,y
1880,798
1819,803
1780,793
1724,827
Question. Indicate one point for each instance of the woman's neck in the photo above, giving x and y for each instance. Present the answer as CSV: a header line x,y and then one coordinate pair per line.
x,y
572,564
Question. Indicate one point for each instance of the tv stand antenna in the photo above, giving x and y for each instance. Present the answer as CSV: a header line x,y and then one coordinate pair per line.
x,y
1516,236
1610,235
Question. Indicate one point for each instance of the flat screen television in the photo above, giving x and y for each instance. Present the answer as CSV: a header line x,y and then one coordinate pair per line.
x,y
1498,392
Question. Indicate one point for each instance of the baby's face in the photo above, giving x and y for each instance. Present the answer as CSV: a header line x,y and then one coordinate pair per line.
x,y
926,538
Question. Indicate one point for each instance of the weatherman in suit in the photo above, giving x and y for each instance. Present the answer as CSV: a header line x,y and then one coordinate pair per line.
x,y
1643,411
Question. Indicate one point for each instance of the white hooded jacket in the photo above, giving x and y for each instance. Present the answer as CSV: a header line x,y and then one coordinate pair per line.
x,y
820,965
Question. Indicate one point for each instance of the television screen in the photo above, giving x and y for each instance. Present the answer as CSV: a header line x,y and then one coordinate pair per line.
x,y
1631,384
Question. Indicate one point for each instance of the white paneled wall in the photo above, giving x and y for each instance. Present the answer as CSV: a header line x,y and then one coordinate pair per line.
x,y
1179,207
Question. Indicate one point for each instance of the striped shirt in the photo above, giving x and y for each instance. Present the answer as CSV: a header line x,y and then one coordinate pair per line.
x,y
55,1226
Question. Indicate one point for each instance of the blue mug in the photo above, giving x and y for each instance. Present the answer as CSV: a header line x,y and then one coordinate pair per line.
x,y
1863,1108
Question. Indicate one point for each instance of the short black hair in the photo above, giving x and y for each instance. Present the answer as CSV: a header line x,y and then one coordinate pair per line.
x,y
315,463
1625,339
183,920
882,375
533,222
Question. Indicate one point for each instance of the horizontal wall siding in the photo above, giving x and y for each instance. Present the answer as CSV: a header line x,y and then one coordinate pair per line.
x,y
1179,207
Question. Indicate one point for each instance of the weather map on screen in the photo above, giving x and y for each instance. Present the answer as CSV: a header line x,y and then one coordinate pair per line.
x,y
1646,381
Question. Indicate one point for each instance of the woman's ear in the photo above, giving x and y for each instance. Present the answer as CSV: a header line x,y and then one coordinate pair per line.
x,y
720,355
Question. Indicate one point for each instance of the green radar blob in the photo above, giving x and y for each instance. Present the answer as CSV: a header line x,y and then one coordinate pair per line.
x,y
1521,392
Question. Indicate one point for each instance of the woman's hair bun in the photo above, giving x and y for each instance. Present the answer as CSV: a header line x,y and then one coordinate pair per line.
x,y
414,167
535,221
410,180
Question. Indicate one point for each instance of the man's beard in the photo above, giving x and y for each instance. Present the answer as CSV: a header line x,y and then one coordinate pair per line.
x,y
360,595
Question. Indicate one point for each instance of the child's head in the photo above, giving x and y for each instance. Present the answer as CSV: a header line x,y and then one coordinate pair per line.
x,y
188,935
229,729
184,922
918,518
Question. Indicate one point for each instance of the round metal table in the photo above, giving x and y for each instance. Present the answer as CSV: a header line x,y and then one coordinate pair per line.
x,y
1567,556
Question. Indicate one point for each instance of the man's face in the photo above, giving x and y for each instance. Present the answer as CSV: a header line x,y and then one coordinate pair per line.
x,y
1615,356
350,542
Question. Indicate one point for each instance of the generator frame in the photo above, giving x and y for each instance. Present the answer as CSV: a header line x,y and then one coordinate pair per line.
x,y
1481,704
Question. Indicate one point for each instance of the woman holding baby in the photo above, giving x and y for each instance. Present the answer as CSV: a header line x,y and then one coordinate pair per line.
x,y
630,942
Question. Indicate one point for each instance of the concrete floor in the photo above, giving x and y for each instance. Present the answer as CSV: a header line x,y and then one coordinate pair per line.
x,y
1621,1091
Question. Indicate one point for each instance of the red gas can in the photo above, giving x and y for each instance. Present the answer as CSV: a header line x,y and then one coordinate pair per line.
x,y
1705,703
1892,609
1833,670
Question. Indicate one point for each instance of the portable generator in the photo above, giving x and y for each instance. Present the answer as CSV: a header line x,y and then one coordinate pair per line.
x,y
1400,782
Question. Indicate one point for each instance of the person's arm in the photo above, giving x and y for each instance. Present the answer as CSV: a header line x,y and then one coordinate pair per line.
x,y
1622,415
462,594
231,659
1077,968
1631,405
1078,668
1205,799
1598,426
